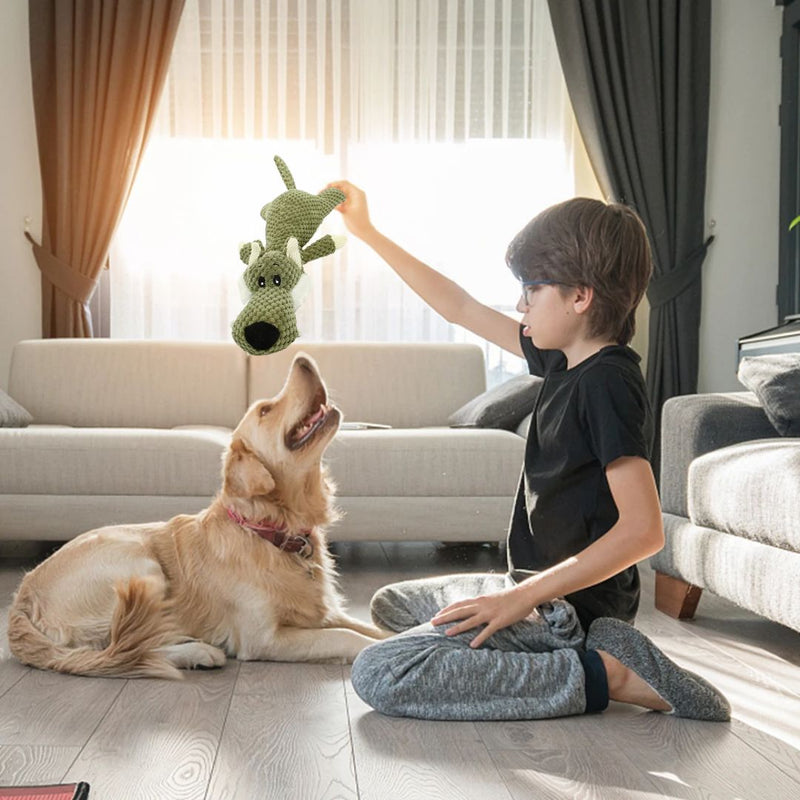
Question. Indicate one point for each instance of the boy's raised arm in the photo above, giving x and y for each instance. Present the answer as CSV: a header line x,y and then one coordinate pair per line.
x,y
442,294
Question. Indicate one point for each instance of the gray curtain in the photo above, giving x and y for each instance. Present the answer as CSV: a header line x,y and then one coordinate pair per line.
x,y
637,72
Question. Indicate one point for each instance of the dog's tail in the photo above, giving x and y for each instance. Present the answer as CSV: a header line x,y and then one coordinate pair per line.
x,y
139,627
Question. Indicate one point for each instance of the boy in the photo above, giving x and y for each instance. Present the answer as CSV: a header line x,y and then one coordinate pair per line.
x,y
552,635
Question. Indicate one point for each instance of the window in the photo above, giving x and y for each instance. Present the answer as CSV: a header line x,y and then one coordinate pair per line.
x,y
451,114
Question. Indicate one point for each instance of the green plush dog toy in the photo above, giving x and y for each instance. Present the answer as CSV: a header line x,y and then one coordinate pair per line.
x,y
275,283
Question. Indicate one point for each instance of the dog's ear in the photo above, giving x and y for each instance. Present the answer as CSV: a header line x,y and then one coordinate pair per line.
x,y
244,475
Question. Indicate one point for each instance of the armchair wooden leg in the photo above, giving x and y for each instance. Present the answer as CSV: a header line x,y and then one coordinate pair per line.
x,y
675,597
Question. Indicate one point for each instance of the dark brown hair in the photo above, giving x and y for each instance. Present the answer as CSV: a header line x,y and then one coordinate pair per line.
x,y
584,242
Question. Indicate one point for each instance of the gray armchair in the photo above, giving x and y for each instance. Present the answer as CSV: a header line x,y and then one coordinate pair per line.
x,y
730,495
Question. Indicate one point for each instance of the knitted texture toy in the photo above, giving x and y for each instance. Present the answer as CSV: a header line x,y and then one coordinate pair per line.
x,y
275,283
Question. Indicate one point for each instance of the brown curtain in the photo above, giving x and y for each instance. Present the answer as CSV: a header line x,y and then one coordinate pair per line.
x,y
98,67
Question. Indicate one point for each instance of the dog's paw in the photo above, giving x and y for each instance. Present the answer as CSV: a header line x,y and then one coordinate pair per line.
x,y
194,655
210,658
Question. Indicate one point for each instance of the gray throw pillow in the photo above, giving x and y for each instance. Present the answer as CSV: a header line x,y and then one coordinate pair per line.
x,y
775,381
503,406
12,414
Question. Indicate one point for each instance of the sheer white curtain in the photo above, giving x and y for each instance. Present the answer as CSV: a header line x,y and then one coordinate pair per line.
x,y
452,114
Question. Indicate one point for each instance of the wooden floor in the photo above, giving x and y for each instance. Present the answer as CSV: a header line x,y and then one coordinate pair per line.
x,y
297,732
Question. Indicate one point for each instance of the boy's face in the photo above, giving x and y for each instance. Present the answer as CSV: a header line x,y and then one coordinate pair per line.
x,y
548,315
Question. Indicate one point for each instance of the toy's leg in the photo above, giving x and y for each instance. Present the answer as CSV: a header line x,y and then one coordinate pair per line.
x,y
322,247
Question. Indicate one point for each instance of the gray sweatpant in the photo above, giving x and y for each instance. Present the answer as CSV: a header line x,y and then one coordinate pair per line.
x,y
530,670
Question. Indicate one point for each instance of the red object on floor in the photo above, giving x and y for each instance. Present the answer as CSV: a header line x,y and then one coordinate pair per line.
x,y
64,791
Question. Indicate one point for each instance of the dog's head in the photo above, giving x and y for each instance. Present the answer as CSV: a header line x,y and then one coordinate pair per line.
x,y
275,456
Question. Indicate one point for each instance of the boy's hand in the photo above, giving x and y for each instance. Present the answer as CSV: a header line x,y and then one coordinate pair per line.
x,y
354,208
496,611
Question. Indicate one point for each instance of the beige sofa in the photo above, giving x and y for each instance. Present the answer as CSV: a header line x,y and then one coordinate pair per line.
x,y
134,431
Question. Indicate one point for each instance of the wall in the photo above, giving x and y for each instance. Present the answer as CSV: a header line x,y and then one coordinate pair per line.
x,y
20,192
741,269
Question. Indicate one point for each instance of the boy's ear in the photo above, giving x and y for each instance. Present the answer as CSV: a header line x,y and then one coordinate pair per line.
x,y
244,475
583,299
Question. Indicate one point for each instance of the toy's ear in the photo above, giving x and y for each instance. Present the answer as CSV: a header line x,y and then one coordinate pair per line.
x,y
264,211
293,251
244,290
301,290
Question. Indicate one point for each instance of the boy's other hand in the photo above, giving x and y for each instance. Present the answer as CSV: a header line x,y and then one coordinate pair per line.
x,y
495,611
354,208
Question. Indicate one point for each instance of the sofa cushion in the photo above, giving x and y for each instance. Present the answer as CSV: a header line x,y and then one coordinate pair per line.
x,y
503,406
98,461
12,414
751,490
694,424
110,383
188,461
775,380
426,462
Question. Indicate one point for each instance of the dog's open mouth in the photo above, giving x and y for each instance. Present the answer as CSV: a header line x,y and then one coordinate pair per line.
x,y
308,427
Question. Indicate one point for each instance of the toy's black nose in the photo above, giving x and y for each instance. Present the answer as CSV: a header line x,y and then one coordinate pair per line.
x,y
261,335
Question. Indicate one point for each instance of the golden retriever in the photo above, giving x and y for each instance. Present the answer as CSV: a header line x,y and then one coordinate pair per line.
x,y
250,577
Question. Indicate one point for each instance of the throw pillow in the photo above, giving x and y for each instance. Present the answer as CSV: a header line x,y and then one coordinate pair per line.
x,y
775,381
12,414
503,406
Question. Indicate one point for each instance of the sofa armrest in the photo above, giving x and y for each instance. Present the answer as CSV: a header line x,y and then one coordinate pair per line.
x,y
694,424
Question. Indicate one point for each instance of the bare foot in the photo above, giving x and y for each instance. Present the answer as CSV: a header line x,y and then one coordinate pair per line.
x,y
625,686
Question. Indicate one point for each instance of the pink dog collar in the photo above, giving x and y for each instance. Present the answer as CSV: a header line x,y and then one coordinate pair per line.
x,y
299,543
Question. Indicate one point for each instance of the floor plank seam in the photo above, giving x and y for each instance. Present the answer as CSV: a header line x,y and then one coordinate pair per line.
x,y
352,738
496,766
222,729
96,727
12,685
762,757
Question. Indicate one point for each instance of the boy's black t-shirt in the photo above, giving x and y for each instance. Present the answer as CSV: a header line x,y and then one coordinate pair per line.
x,y
584,418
